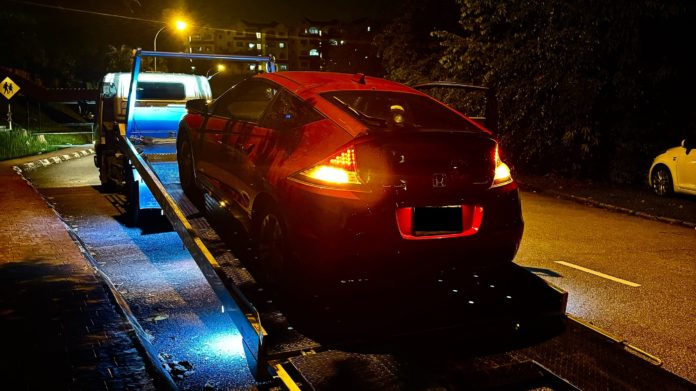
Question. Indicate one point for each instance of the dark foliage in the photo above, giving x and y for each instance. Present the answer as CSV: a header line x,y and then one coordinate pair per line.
x,y
587,88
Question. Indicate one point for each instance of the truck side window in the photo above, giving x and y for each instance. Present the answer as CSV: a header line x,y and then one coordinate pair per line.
x,y
246,101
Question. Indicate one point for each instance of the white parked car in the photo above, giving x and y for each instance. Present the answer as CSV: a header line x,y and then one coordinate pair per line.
x,y
675,170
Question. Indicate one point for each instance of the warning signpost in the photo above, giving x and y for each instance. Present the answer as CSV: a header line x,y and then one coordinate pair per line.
x,y
9,88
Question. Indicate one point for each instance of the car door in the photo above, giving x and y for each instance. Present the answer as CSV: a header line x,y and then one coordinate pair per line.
x,y
238,178
686,166
219,131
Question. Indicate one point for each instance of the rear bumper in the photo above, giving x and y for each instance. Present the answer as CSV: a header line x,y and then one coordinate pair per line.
x,y
340,238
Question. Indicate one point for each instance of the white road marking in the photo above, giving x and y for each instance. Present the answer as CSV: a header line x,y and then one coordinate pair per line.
x,y
596,273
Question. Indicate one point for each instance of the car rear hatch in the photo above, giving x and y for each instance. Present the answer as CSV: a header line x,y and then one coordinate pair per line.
x,y
435,179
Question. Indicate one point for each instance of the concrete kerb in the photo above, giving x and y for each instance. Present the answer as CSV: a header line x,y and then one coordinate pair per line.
x,y
603,205
47,161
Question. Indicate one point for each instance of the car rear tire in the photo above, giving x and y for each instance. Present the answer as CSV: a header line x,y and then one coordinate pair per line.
x,y
272,248
662,181
186,171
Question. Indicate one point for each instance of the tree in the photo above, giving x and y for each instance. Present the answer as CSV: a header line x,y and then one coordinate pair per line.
x,y
584,87
408,51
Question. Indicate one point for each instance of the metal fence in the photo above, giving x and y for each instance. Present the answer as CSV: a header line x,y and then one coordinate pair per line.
x,y
81,128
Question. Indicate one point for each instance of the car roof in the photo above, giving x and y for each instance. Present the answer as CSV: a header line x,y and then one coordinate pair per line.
x,y
311,82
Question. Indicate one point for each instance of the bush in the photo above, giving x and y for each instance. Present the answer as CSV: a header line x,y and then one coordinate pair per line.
x,y
18,143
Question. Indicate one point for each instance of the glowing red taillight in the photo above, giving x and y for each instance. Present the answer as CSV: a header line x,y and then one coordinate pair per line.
x,y
344,159
338,171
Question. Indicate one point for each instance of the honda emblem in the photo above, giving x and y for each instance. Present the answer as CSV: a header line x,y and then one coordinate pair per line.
x,y
439,180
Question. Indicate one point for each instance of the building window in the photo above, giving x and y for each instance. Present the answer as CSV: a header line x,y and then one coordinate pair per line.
x,y
313,31
314,53
258,46
258,35
281,45
239,44
283,67
251,45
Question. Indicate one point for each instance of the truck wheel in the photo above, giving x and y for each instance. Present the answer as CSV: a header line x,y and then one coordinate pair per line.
x,y
107,185
187,176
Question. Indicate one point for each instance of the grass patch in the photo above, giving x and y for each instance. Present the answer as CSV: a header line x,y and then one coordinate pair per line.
x,y
68,139
19,143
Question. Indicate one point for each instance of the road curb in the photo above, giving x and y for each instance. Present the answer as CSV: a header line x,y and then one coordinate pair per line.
x,y
138,336
47,161
604,205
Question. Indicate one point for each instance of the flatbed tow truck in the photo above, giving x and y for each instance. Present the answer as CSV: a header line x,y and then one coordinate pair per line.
x,y
487,329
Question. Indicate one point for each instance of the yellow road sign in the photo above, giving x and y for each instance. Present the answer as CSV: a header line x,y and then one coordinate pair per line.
x,y
8,88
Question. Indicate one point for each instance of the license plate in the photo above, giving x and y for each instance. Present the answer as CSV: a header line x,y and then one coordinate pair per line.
x,y
435,220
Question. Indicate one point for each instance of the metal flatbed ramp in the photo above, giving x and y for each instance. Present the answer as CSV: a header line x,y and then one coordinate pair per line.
x,y
578,358
472,331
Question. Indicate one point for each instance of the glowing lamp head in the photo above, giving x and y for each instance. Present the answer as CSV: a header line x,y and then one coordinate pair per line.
x,y
340,169
180,25
502,175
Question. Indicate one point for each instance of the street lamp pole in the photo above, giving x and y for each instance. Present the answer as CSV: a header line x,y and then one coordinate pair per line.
x,y
180,25
154,44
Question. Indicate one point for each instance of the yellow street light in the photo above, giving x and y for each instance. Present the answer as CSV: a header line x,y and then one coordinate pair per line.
x,y
220,68
180,25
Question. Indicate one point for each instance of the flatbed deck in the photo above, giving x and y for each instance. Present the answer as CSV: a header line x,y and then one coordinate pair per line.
x,y
469,330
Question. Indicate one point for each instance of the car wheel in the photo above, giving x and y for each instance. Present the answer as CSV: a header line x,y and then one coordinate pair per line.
x,y
186,172
272,247
662,181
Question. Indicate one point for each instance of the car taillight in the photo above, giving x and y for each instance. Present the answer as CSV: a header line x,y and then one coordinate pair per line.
x,y
338,171
502,171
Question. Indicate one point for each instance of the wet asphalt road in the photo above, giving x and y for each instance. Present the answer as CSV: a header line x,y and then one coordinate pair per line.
x,y
656,316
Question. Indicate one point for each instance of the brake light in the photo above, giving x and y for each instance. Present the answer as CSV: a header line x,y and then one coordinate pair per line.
x,y
339,170
502,171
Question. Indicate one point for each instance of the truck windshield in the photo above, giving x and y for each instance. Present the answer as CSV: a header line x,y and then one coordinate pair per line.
x,y
168,91
386,109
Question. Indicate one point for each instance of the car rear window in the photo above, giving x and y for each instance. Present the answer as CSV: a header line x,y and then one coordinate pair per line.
x,y
161,91
393,110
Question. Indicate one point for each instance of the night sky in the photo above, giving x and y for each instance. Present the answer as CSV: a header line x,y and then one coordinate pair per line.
x,y
209,12
75,25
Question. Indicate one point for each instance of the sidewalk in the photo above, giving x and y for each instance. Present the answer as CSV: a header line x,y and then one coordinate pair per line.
x,y
59,326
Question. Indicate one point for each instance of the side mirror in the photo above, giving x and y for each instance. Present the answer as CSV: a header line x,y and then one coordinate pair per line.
x,y
199,106
108,90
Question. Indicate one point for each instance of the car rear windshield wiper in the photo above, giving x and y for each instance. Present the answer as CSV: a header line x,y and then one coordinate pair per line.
x,y
374,121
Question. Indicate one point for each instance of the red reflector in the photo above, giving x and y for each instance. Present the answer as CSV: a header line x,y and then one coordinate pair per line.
x,y
472,216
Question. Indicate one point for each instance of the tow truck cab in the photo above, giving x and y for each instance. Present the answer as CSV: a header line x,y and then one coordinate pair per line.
x,y
160,102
